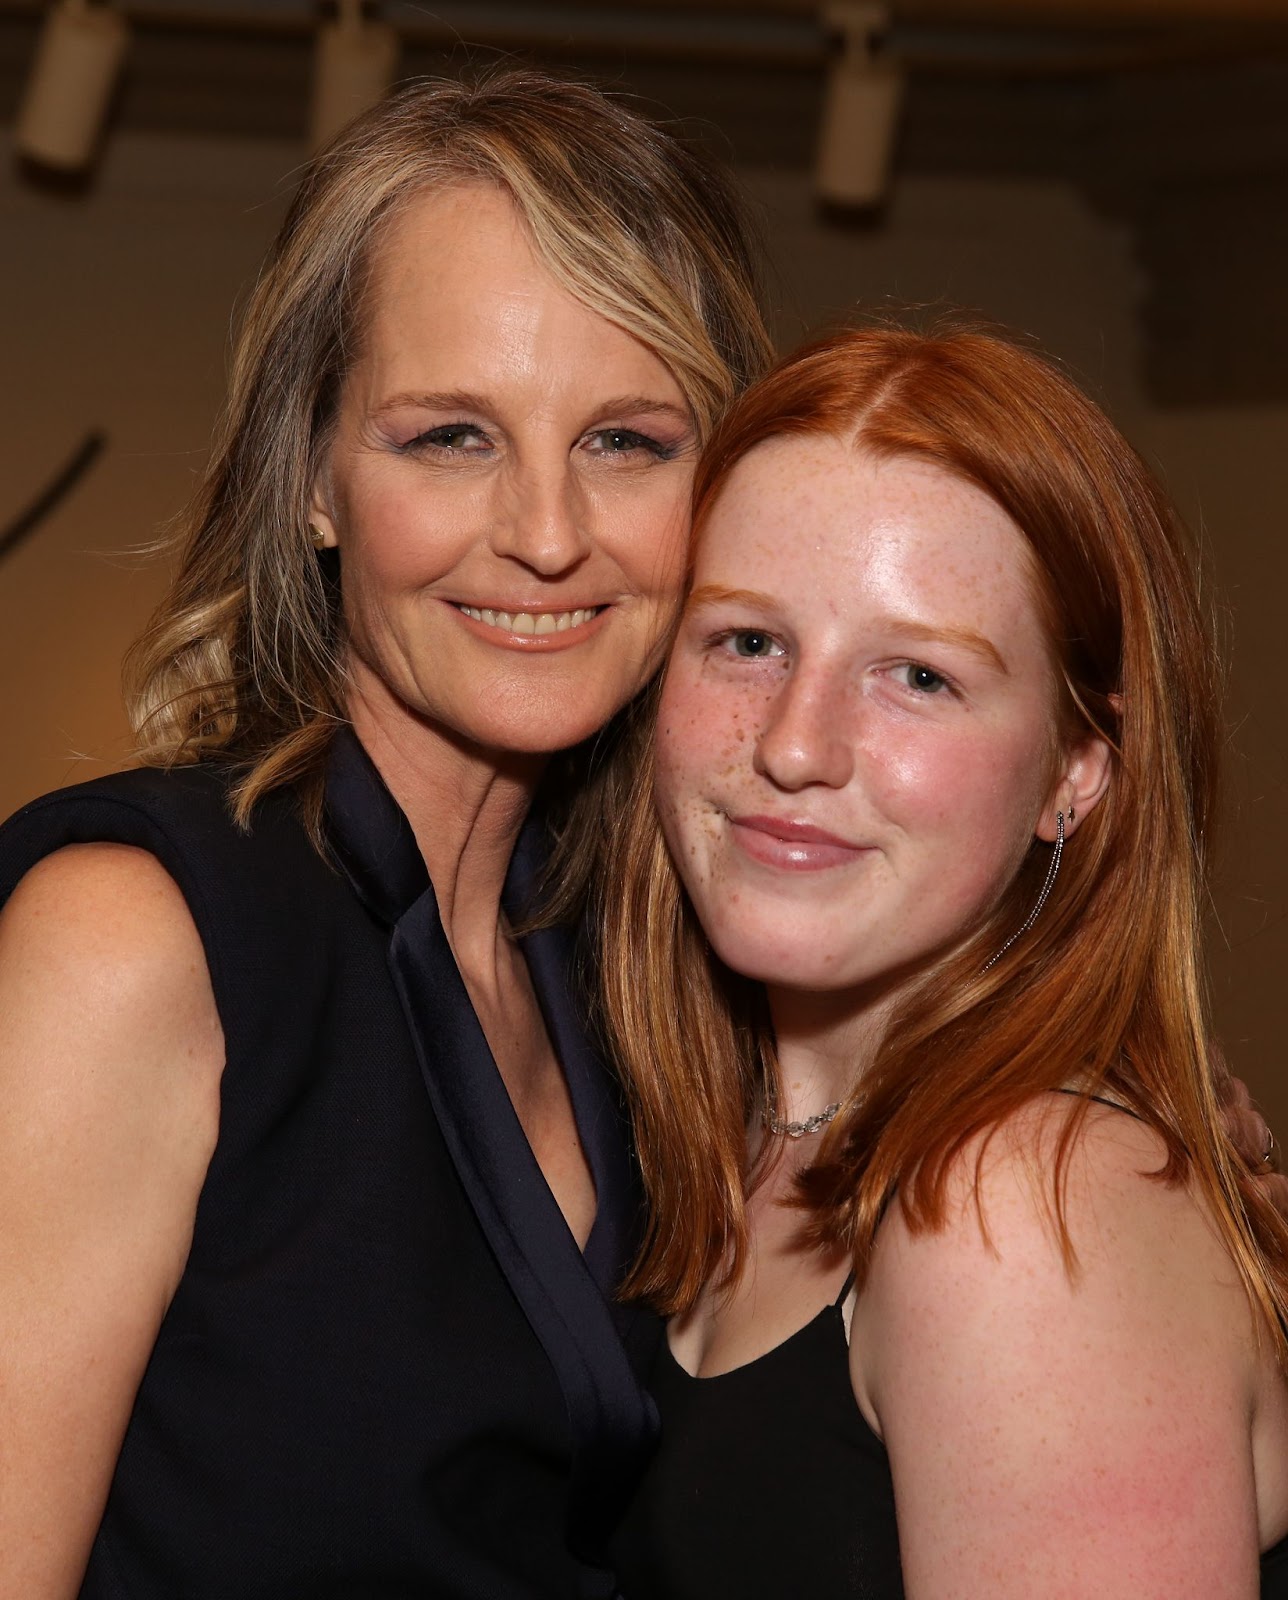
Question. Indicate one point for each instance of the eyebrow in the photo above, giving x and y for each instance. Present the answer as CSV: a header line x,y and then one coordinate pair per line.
x,y
962,638
715,594
466,400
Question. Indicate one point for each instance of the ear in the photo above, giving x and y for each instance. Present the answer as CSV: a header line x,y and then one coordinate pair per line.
x,y
1085,771
321,516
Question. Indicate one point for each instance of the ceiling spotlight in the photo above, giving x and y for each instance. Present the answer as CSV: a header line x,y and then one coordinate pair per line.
x,y
860,108
65,103
353,65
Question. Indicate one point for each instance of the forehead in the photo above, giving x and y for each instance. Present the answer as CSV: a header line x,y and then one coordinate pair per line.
x,y
449,262
818,511
448,233
456,281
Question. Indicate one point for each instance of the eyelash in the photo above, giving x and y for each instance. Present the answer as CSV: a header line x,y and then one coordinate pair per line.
x,y
942,684
433,440
729,635
638,441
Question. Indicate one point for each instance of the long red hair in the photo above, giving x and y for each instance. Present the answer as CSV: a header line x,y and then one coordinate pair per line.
x,y
1106,992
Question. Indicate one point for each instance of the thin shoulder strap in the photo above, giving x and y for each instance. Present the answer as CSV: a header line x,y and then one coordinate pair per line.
x,y
845,1289
1102,1100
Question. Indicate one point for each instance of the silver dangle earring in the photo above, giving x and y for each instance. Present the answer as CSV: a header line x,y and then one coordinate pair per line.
x,y
1042,893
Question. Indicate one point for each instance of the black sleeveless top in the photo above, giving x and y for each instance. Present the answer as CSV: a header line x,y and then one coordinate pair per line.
x,y
387,1371
768,1484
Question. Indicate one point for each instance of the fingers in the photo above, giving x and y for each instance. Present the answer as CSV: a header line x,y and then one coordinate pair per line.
x,y
1245,1127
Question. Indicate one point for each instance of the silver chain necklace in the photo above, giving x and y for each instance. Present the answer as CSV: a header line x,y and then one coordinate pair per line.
x,y
797,1130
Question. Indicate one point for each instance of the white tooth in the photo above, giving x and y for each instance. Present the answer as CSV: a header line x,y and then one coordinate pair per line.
x,y
563,622
470,612
524,622
504,620
545,623
581,616
488,616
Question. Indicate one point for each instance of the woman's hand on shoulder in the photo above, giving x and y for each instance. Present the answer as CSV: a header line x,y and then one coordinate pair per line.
x,y
1065,1433
110,1058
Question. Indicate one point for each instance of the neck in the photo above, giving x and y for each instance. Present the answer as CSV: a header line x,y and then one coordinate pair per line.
x,y
465,805
825,1044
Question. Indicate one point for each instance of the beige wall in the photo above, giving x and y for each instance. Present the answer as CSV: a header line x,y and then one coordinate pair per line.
x,y
115,313
1229,472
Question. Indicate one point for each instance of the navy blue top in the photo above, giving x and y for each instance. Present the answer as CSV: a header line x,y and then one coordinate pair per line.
x,y
387,1371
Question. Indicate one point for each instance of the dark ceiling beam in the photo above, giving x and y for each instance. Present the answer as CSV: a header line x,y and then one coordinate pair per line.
x,y
1025,13
929,36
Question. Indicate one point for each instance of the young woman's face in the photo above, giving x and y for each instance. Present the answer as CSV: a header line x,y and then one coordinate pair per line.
x,y
857,736
508,488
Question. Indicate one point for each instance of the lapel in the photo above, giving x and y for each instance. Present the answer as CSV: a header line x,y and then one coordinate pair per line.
x,y
562,1293
602,1120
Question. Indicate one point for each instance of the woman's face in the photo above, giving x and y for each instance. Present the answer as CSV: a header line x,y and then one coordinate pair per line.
x,y
508,487
857,735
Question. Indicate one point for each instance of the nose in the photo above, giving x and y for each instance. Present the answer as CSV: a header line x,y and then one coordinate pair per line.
x,y
805,738
540,519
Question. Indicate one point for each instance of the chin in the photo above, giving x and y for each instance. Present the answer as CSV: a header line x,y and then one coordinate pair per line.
x,y
531,726
765,959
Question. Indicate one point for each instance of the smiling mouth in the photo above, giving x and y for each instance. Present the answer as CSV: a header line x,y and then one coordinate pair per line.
x,y
793,846
531,622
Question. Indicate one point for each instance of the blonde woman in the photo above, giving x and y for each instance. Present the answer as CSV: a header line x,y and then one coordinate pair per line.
x,y
311,1189
970,1296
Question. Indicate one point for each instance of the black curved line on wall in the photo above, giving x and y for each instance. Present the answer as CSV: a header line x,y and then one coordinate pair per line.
x,y
27,521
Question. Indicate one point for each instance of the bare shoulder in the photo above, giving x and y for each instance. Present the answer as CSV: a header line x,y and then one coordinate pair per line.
x,y
101,902
1125,1225
107,1018
1093,1412
109,1033
110,1060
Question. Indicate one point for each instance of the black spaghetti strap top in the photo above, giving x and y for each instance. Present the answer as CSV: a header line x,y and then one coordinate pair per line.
x,y
768,1484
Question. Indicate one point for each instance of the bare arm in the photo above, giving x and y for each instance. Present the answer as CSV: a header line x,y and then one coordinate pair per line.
x,y
110,1057
1067,1437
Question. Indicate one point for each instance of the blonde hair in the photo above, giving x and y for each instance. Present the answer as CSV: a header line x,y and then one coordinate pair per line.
x,y
243,660
1106,992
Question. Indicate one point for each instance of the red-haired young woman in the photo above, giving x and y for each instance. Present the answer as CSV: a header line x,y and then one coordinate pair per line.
x,y
942,1209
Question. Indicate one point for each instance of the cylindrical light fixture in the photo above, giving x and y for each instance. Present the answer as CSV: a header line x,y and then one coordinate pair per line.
x,y
353,65
860,109
67,95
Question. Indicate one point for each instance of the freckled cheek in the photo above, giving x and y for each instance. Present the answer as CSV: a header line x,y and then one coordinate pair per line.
x,y
913,780
706,732
965,783
697,757
976,812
